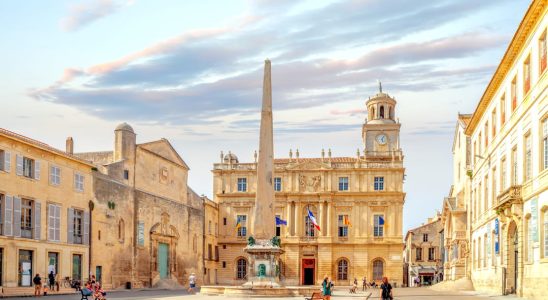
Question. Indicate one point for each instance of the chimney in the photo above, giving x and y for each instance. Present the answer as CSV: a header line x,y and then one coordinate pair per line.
x,y
70,146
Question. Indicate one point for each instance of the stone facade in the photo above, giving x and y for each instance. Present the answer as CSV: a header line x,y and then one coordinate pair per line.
x,y
44,204
147,224
211,249
357,202
422,255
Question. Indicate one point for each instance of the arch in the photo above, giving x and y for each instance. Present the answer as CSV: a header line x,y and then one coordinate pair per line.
x,y
121,230
381,112
512,258
372,112
342,269
241,268
378,268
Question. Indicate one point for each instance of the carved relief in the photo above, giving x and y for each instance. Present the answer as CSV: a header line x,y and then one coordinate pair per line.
x,y
310,184
164,175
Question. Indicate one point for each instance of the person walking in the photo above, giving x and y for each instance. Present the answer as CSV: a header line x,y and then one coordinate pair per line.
x,y
386,290
364,284
51,281
327,287
191,282
37,280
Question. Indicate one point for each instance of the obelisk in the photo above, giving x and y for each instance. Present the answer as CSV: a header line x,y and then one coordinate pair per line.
x,y
264,222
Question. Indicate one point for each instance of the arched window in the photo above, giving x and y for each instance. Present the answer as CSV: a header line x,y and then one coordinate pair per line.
x,y
372,113
308,227
342,271
121,230
382,112
378,269
241,270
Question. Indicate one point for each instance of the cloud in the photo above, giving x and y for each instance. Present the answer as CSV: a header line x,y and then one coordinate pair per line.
x,y
83,14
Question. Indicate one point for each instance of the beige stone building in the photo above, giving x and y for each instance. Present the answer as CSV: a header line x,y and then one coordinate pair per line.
x,y
44,212
147,223
211,249
454,211
357,202
422,255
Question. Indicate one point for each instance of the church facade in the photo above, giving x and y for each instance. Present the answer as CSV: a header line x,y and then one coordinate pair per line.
x,y
357,203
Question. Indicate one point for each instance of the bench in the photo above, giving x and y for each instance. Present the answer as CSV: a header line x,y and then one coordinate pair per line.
x,y
315,295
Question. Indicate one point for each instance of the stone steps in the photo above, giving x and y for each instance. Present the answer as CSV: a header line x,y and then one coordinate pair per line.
x,y
29,291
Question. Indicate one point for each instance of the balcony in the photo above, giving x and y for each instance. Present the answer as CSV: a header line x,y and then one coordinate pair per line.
x,y
509,201
306,239
383,154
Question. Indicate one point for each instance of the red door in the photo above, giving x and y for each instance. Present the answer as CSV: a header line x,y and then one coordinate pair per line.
x,y
308,274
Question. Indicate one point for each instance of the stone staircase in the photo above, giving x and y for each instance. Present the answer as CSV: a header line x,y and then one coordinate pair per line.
x,y
29,291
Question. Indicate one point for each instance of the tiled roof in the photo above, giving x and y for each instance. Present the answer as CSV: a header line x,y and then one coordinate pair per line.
x,y
41,145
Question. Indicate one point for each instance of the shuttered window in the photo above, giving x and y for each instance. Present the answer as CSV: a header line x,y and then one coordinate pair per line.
x,y
54,223
79,182
54,175
5,161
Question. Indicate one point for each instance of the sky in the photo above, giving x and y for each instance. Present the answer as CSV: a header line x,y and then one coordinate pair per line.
x,y
191,72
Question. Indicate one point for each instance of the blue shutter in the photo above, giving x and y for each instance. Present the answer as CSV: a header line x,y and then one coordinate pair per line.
x,y
70,226
19,163
16,216
8,216
37,220
86,228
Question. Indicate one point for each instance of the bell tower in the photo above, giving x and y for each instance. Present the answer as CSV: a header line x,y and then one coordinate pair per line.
x,y
381,130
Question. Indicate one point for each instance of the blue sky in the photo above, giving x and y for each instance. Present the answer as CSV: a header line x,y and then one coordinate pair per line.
x,y
190,71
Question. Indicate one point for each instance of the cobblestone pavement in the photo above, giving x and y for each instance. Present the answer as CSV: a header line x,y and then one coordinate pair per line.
x,y
341,293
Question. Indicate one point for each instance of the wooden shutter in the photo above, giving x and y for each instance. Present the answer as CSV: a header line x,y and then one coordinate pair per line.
x,y
70,226
57,223
37,220
86,228
51,222
16,216
7,161
8,216
37,169
19,163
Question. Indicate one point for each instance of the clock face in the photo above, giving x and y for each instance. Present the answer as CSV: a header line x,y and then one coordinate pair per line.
x,y
382,139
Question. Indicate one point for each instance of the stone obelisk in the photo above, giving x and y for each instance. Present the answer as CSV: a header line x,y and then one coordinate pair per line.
x,y
264,223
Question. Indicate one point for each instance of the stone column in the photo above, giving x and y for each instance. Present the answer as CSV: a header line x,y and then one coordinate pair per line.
x,y
288,218
328,228
322,216
297,218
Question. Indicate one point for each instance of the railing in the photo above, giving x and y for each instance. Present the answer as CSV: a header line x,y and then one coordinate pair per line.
x,y
395,153
308,238
335,165
512,193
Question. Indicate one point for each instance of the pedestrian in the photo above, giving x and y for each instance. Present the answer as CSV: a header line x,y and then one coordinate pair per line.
x,y
364,284
327,287
386,290
354,286
192,282
37,280
51,280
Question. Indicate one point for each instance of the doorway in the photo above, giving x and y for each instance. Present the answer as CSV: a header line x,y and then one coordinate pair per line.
x,y
163,250
512,256
308,271
25,267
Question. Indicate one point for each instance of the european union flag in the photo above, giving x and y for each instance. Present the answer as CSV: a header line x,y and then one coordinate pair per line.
x,y
280,221
381,220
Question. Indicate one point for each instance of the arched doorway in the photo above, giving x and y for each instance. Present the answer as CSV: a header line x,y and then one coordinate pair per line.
x,y
163,251
378,269
512,259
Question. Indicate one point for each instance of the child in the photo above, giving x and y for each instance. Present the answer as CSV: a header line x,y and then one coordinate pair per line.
x,y
45,290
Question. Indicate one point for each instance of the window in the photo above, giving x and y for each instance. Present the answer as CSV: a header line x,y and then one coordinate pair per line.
x,y
209,252
278,227
545,228
343,183
432,252
378,269
121,229
486,130
526,75
54,222
479,143
529,237
513,94
224,221
54,175
425,237
241,225
378,225
28,167
77,267
242,184
343,225
418,254
486,193
224,264
26,218
378,184
494,186
209,227
342,270
503,174
494,123
126,174
241,271
5,163
544,144
2,211
216,253
514,166
277,184
542,52
78,226
502,110
308,227
382,112
528,169
484,258
79,182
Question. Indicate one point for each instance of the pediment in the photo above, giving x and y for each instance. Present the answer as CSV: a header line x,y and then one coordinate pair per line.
x,y
308,165
163,148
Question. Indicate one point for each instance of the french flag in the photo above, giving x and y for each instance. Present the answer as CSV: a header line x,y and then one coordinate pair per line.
x,y
313,219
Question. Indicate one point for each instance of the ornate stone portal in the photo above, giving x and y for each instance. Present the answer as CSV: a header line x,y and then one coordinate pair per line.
x,y
264,251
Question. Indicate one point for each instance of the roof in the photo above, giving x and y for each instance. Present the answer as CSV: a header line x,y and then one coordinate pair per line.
x,y
464,119
532,17
124,126
42,146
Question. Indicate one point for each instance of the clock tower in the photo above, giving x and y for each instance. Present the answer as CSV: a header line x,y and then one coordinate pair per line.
x,y
381,131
